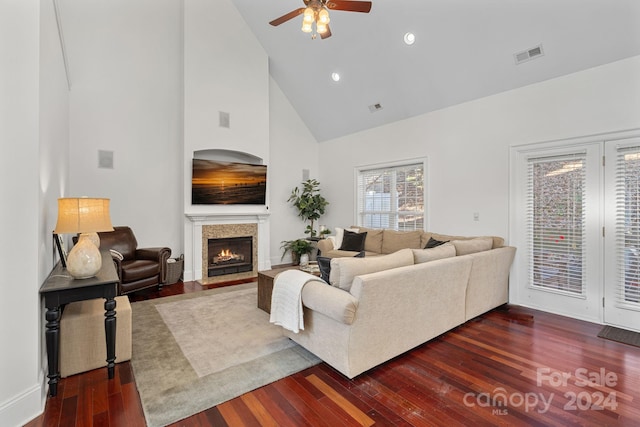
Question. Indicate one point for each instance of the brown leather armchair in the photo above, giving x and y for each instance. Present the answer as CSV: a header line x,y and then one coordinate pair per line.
x,y
140,268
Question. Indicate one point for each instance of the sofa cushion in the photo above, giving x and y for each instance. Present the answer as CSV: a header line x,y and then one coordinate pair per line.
x,y
478,244
393,241
432,243
352,241
343,270
446,250
373,242
139,269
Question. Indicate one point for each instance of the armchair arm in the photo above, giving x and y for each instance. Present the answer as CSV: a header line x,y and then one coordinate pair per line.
x,y
161,255
118,264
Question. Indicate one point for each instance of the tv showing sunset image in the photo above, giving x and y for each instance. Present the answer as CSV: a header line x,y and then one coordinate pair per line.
x,y
227,183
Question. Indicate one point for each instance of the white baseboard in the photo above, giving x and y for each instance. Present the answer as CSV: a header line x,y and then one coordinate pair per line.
x,y
24,407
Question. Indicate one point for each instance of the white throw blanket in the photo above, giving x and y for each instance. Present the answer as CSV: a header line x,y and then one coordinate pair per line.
x,y
286,299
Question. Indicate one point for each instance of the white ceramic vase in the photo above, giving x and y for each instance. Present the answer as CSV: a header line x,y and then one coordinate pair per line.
x,y
84,259
304,260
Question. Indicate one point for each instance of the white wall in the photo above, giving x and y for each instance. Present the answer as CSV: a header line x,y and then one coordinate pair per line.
x,y
467,145
293,149
34,135
125,60
225,70
149,87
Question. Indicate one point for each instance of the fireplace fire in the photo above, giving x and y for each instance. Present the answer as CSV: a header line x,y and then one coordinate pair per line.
x,y
231,255
227,256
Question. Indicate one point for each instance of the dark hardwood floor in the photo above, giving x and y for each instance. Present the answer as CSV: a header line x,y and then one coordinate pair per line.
x,y
512,366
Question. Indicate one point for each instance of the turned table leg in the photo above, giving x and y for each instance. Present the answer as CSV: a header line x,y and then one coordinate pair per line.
x,y
110,334
52,336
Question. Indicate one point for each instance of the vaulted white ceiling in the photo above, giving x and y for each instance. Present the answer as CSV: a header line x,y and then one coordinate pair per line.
x,y
464,50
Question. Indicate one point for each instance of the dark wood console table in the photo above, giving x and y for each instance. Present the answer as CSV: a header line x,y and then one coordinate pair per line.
x,y
59,289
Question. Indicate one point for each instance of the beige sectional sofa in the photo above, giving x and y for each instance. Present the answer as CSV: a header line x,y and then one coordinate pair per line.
x,y
384,241
379,307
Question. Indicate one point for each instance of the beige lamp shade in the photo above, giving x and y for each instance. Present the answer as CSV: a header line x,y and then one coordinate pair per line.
x,y
87,217
83,215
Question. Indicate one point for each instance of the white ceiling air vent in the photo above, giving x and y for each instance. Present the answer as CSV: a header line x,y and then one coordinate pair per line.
x,y
375,107
528,54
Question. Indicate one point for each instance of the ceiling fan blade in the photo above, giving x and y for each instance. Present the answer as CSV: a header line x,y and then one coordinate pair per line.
x,y
349,6
326,34
288,16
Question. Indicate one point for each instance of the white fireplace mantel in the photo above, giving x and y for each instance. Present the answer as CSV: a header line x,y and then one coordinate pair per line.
x,y
227,218
198,220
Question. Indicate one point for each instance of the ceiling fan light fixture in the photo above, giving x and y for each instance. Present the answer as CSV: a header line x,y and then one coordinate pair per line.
x,y
321,28
306,27
323,16
309,15
317,12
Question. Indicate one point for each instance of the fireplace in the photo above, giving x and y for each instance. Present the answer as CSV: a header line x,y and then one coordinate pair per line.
x,y
229,255
236,259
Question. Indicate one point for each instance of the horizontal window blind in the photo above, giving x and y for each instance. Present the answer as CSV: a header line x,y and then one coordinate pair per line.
x,y
628,226
555,223
391,197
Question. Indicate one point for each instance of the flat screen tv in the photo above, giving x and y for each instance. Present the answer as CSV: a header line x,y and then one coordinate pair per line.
x,y
227,183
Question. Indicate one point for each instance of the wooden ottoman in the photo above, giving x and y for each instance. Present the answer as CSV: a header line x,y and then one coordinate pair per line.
x,y
82,338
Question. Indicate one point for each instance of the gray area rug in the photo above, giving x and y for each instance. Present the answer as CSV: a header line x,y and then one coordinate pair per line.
x,y
620,335
194,351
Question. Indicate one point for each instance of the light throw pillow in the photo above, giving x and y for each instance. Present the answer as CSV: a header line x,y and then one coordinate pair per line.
x,y
337,241
446,250
116,254
478,244
343,270
353,241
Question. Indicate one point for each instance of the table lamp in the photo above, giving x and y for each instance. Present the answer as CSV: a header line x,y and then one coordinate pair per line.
x,y
85,216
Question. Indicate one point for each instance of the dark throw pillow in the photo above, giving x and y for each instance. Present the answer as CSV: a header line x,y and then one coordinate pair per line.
x,y
432,243
324,264
353,241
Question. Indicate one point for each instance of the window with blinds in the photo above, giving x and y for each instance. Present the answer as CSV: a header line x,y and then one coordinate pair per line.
x,y
392,196
628,225
555,221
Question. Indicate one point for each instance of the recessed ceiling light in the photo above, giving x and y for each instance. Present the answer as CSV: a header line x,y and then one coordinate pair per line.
x,y
409,38
335,77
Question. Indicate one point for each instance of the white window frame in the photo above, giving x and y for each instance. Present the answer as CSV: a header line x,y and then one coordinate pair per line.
x,y
396,164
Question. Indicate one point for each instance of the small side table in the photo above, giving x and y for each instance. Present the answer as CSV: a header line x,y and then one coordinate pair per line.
x,y
265,286
59,289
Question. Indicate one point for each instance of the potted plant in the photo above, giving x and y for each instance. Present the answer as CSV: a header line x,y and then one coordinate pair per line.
x,y
309,203
324,233
297,248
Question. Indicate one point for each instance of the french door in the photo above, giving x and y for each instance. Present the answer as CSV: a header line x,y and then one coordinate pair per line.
x,y
556,228
622,236
575,211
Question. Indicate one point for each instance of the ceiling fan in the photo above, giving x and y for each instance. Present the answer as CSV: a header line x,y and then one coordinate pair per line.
x,y
316,11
